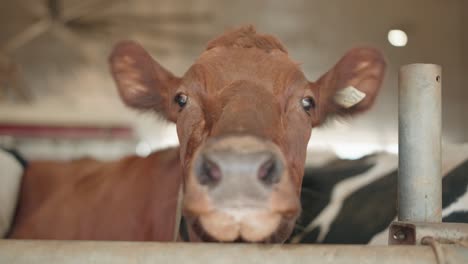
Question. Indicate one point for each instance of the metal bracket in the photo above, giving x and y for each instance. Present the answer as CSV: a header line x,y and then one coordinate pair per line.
x,y
413,233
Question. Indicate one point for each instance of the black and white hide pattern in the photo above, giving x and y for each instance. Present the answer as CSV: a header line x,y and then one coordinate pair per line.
x,y
12,166
343,202
354,201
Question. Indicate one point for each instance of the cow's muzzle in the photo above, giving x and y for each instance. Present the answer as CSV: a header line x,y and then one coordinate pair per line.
x,y
239,189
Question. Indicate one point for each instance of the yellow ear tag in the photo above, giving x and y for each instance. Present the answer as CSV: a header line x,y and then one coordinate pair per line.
x,y
349,97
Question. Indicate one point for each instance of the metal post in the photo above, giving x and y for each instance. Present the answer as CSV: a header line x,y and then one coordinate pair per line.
x,y
419,177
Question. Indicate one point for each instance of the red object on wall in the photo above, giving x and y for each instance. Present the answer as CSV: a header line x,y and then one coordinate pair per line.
x,y
48,131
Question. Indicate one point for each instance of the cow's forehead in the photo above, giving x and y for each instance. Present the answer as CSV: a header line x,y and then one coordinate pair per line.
x,y
217,68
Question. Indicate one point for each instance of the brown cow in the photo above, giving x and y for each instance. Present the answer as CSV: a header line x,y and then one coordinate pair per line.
x,y
244,113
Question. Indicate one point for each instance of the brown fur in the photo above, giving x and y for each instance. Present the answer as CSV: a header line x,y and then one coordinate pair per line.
x,y
246,37
244,83
130,199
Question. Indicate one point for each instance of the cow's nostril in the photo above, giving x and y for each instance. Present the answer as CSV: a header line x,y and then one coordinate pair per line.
x,y
268,172
209,172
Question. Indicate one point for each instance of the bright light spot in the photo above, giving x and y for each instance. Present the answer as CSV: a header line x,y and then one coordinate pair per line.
x,y
392,148
355,151
397,38
143,149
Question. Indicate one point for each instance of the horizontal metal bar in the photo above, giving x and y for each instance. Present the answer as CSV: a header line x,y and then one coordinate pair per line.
x,y
71,252
412,233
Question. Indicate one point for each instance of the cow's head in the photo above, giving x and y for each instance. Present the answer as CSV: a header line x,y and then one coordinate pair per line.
x,y
244,113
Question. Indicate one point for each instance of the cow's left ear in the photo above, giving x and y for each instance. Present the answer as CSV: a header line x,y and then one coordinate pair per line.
x,y
352,85
141,81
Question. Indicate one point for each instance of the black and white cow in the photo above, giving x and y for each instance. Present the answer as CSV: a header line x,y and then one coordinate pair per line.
x,y
354,201
344,201
11,170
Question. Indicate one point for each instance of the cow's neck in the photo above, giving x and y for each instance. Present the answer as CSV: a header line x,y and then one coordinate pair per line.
x,y
166,173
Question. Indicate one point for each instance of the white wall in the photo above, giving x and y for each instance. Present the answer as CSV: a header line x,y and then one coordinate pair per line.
x,y
316,32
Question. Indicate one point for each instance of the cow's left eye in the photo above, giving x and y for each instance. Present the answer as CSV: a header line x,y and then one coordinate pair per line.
x,y
181,99
308,103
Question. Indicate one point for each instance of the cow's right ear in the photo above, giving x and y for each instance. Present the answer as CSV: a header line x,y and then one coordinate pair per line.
x,y
352,85
142,83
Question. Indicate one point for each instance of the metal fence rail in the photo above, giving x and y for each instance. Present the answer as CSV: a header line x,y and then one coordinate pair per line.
x,y
74,252
419,204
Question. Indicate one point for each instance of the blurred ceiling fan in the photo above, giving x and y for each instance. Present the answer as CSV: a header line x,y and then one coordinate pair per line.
x,y
71,24
76,24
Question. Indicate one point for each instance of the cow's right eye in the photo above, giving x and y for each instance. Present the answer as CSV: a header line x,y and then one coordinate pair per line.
x,y
308,103
181,99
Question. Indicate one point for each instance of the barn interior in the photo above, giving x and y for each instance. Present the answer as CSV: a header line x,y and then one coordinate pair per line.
x,y
58,101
